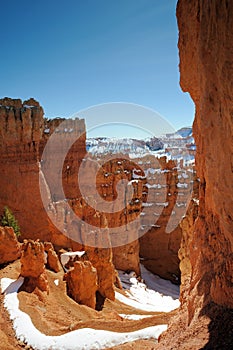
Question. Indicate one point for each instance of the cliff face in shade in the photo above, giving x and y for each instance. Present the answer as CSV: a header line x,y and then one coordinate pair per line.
x,y
206,67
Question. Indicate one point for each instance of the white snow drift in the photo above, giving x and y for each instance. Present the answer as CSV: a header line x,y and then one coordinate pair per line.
x,y
162,298
82,339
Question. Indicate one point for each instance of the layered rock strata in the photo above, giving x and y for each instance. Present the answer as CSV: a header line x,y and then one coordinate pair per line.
x,y
23,135
151,191
28,169
160,193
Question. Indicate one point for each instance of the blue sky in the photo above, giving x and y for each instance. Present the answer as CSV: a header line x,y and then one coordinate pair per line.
x,y
73,54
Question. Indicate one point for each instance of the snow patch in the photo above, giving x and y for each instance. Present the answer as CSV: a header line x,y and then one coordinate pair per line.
x,y
65,257
86,338
165,287
162,298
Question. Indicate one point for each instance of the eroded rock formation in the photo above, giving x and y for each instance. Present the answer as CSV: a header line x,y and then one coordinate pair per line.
x,y
82,283
9,245
206,67
52,259
101,259
33,261
160,191
23,135
205,44
170,189
25,167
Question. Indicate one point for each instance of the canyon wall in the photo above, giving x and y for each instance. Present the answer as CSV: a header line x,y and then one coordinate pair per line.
x,y
170,190
206,68
23,163
21,129
160,194
23,135
155,190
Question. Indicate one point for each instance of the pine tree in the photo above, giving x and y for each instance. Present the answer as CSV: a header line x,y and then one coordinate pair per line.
x,y
8,219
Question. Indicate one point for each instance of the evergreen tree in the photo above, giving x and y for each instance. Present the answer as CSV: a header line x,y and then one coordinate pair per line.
x,y
8,219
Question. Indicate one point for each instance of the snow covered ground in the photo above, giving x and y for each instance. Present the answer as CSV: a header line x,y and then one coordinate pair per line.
x,y
82,339
160,285
153,295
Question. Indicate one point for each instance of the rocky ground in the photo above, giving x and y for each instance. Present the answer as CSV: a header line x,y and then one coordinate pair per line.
x,y
55,313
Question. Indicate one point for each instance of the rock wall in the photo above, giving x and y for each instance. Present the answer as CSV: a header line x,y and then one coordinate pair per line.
x,y
124,238
170,187
160,193
21,129
206,66
23,135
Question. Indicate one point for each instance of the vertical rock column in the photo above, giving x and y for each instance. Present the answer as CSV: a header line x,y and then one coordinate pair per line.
x,y
206,68
33,266
21,129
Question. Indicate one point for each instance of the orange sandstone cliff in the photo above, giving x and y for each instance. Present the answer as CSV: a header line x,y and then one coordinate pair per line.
x,y
205,320
22,140
23,135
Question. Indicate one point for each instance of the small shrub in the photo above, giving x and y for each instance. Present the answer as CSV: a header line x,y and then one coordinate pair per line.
x,y
8,219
